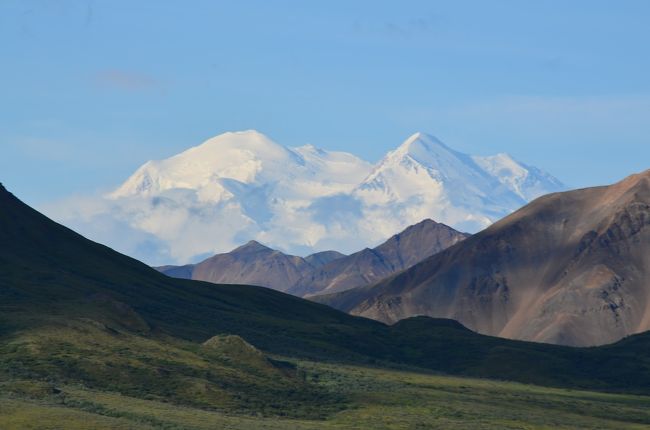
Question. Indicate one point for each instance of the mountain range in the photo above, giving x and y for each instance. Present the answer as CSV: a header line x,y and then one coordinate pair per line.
x,y
78,314
249,264
91,338
569,268
243,186
324,272
367,266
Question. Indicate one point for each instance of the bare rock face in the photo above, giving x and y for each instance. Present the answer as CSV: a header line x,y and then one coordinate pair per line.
x,y
323,272
322,258
253,264
569,268
401,251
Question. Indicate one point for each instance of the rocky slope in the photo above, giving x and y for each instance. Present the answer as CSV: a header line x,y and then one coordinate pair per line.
x,y
324,272
322,258
251,264
569,268
401,251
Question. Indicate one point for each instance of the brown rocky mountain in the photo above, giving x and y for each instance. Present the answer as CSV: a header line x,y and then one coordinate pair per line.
x,y
401,251
569,268
322,258
250,264
327,271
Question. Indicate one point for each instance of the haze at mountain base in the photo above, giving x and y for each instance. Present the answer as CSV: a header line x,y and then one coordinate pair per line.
x,y
243,186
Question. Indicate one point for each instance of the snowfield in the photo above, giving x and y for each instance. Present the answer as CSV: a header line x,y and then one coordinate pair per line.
x,y
240,186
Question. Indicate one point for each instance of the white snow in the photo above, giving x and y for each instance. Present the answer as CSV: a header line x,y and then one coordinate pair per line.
x,y
242,185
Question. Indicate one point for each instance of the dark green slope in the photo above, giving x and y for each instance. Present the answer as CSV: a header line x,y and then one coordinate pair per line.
x,y
52,278
621,367
47,269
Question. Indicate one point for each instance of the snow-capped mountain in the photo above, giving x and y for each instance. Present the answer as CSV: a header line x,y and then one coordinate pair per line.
x,y
225,165
425,178
241,186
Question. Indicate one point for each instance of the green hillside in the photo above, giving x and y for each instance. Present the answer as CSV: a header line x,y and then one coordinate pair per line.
x,y
372,398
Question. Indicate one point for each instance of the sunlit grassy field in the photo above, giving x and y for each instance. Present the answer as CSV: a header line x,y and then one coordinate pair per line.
x,y
369,398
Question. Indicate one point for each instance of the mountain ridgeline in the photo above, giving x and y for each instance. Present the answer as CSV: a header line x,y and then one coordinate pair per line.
x,y
249,264
324,272
400,252
569,268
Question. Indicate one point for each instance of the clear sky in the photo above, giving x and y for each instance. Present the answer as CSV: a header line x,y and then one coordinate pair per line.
x,y
92,89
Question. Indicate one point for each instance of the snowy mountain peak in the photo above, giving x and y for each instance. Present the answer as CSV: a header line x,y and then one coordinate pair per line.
x,y
423,140
421,145
466,192
246,157
252,142
242,185
422,151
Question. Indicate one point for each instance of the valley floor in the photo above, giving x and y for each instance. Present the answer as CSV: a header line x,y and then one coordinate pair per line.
x,y
370,398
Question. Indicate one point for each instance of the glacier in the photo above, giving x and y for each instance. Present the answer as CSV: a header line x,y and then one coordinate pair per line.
x,y
242,186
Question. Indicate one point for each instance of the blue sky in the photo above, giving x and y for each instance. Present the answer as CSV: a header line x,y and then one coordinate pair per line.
x,y
92,89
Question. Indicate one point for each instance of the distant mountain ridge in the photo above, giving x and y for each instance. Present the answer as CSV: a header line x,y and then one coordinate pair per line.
x,y
570,268
243,185
400,252
249,264
324,272
322,258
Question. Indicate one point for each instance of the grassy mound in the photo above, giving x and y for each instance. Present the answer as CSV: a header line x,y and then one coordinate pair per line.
x,y
225,374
